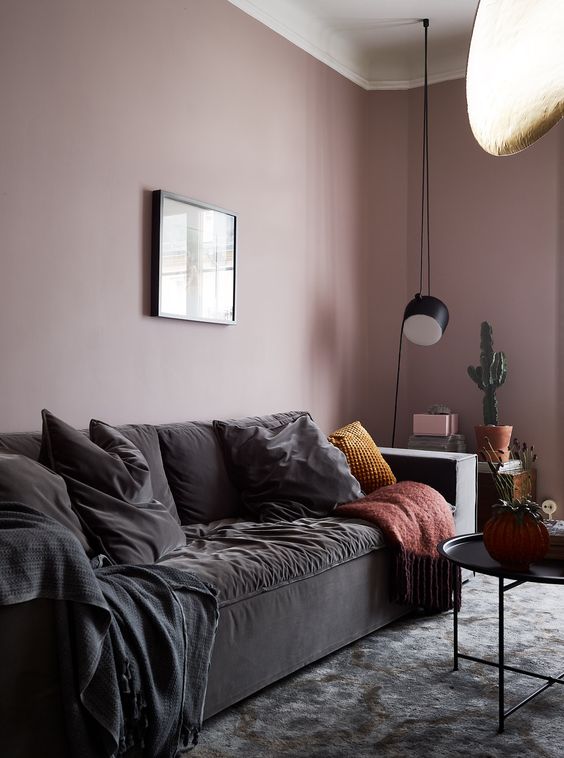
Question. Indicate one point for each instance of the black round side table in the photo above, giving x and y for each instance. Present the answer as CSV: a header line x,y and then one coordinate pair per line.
x,y
468,551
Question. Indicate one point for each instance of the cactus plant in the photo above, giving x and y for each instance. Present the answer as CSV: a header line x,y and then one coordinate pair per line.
x,y
490,374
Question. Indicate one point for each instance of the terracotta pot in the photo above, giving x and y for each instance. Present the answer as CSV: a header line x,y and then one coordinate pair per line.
x,y
499,437
515,542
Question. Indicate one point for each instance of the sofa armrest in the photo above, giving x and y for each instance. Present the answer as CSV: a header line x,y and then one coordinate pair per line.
x,y
454,475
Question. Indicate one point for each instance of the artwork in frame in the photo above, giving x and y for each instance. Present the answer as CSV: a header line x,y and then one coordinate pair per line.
x,y
194,254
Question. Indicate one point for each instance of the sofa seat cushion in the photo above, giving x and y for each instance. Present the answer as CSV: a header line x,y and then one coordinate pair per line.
x,y
244,558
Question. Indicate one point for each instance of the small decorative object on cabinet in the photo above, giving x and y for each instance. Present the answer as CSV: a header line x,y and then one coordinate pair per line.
x,y
515,535
438,421
489,375
437,430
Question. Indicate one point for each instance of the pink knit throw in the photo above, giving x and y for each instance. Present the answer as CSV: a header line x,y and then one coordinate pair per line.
x,y
414,518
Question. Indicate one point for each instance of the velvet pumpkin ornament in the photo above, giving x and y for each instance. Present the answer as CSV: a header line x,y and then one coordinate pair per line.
x,y
516,535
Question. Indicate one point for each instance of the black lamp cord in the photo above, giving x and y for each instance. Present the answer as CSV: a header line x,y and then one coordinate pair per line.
x,y
424,219
425,178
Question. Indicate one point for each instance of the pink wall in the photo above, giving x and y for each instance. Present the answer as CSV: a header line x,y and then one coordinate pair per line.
x,y
102,103
383,286
497,252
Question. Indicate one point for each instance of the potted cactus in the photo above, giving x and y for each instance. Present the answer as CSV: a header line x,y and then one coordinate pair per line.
x,y
489,376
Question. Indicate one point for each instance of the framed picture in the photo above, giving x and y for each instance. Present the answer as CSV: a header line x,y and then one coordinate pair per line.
x,y
194,255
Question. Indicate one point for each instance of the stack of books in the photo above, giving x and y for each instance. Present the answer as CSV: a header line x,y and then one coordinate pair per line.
x,y
450,443
556,536
509,467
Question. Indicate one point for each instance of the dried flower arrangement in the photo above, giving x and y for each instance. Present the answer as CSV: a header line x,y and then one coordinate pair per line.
x,y
521,452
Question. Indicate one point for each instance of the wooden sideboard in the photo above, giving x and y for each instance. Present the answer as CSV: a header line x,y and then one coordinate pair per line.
x,y
487,493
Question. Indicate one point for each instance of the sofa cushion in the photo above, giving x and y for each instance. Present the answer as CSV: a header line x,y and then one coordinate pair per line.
x,y
365,460
195,467
23,443
146,439
196,473
23,480
243,558
269,421
288,471
143,436
109,483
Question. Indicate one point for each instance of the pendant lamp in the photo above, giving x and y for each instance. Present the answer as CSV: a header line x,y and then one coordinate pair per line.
x,y
425,317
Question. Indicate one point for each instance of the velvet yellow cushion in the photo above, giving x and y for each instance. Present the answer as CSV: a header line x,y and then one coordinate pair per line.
x,y
364,457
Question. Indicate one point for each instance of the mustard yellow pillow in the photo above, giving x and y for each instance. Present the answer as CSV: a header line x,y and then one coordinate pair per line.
x,y
364,457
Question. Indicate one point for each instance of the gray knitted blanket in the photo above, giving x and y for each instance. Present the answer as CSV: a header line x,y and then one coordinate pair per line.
x,y
135,641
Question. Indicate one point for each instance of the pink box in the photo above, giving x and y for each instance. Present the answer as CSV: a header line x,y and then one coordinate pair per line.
x,y
436,424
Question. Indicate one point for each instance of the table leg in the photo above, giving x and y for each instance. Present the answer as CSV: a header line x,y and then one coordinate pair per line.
x,y
501,658
455,617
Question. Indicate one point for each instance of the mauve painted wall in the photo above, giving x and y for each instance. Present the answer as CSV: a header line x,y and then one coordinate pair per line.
x,y
103,102
497,244
384,284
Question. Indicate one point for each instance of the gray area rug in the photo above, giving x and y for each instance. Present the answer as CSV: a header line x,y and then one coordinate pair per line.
x,y
394,693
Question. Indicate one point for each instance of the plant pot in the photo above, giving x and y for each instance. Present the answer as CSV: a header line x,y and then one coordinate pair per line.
x,y
515,542
498,436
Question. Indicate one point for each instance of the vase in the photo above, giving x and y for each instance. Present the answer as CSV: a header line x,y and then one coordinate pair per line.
x,y
498,436
516,541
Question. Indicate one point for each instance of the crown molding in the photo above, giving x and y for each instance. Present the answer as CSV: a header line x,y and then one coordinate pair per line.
x,y
306,44
447,76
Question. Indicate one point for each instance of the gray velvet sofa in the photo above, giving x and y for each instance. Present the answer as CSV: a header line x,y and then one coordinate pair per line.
x,y
275,616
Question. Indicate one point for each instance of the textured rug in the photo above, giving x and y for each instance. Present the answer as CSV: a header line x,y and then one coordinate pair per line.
x,y
394,693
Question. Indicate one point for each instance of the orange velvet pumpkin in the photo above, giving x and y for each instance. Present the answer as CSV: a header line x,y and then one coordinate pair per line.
x,y
515,539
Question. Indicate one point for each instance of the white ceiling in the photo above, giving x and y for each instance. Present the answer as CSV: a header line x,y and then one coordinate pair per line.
x,y
376,43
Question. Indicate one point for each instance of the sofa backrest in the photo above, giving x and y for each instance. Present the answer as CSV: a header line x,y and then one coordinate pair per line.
x,y
185,460
143,436
196,471
23,443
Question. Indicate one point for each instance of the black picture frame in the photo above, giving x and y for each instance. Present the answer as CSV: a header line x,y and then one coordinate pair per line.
x,y
193,260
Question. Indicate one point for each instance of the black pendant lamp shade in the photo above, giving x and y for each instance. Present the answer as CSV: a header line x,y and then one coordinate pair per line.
x,y
425,319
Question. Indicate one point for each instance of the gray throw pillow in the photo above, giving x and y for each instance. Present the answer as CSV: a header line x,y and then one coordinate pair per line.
x,y
25,481
146,439
286,472
109,484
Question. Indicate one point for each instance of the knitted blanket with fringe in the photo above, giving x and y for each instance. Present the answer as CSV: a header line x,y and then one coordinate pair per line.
x,y
134,642
413,518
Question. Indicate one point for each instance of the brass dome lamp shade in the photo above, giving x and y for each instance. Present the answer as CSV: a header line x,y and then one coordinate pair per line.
x,y
515,73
